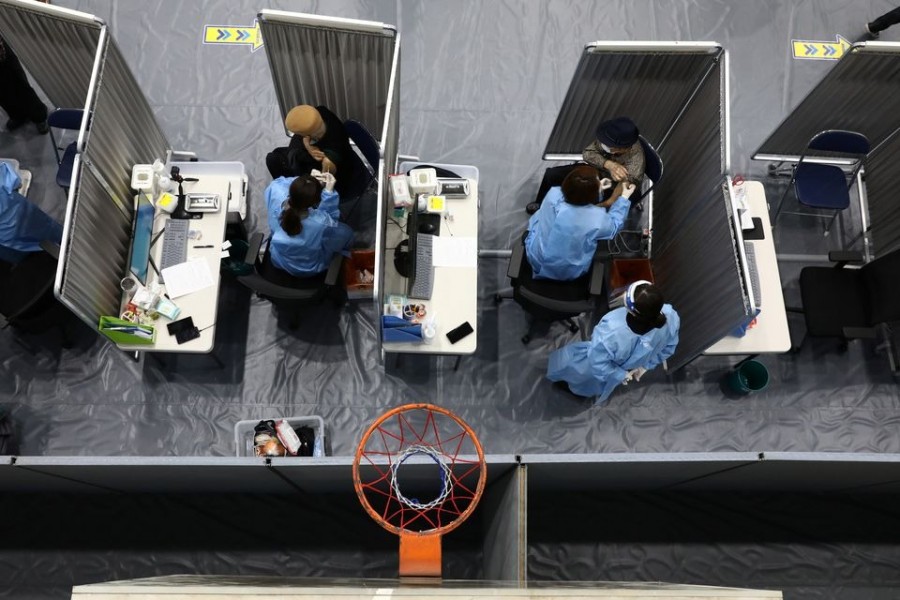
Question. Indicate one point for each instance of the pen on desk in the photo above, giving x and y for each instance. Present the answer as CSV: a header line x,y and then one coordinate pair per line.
x,y
209,246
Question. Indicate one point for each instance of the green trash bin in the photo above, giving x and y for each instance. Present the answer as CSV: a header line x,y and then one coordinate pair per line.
x,y
749,377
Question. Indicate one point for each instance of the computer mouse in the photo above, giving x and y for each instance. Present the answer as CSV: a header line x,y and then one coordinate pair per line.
x,y
427,228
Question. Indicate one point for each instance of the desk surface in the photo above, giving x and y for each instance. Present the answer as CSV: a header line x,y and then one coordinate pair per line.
x,y
455,295
771,333
202,305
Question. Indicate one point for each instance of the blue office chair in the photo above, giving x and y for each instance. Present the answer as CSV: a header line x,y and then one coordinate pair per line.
x,y
64,118
653,170
821,186
365,141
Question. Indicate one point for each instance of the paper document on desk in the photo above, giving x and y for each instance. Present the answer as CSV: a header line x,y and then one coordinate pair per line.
x,y
455,252
187,277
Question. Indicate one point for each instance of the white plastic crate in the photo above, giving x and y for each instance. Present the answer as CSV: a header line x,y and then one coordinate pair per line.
x,y
243,433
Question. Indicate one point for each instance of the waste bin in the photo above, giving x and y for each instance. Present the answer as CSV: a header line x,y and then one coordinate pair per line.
x,y
748,377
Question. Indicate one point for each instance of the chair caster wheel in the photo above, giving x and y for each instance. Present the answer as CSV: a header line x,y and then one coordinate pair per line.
x,y
497,299
573,328
526,338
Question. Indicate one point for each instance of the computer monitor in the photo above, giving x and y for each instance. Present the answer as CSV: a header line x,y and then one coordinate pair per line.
x,y
140,237
737,236
412,233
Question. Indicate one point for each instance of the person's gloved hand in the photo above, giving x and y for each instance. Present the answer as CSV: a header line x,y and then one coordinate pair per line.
x,y
634,375
618,172
606,183
628,189
329,181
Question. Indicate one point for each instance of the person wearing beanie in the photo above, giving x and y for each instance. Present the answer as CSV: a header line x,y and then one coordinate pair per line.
x,y
617,150
319,142
627,342
563,234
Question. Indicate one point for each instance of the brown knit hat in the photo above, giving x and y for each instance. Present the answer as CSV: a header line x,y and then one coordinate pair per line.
x,y
303,120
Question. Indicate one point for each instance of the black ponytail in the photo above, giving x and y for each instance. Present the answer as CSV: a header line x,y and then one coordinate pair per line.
x,y
647,314
305,193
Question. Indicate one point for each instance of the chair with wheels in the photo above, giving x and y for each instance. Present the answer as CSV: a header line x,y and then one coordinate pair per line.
x,y
547,300
289,292
850,303
825,187
64,119
28,304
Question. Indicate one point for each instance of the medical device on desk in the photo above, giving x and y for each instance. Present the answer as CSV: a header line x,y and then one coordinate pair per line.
x,y
453,188
423,181
181,211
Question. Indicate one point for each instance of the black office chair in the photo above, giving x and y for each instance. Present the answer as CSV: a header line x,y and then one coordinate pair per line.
x,y
821,186
547,300
27,303
65,119
287,291
850,303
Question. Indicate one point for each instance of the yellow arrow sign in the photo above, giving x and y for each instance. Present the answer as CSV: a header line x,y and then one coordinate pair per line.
x,y
808,49
228,34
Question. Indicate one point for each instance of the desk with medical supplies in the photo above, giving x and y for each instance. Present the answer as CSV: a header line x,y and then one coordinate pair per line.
x,y
454,299
770,334
207,234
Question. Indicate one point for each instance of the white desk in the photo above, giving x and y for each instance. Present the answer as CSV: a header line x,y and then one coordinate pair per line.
x,y
454,299
771,333
214,178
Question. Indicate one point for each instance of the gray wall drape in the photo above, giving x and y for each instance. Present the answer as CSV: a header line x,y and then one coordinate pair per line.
x,y
858,94
882,174
95,250
651,86
694,260
40,38
390,141
344,69
122,132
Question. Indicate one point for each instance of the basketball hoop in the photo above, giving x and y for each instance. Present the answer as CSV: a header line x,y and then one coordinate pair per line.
x,y
419,472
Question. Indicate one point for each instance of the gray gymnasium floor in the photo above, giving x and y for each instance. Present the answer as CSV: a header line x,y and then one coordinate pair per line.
x,y
481,84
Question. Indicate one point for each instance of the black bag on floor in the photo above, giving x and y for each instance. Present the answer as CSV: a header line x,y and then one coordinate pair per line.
x,y
9,443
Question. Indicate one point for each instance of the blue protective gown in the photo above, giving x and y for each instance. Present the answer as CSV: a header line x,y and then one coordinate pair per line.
x,y
23,226
562,237
596,367
310,251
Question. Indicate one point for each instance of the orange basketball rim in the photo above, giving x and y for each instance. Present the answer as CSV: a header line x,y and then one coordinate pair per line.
x,y
419,472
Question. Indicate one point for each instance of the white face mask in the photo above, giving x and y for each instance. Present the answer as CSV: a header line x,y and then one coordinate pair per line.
x,y
606,148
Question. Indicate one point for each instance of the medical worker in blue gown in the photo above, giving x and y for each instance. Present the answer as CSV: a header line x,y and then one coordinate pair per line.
x,y
23,226
563,233
303,217
626,343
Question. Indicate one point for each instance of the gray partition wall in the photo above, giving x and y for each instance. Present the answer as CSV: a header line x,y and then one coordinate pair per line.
x,y
344,64
882,172
858,94
650,82
40,35
122,131
694,260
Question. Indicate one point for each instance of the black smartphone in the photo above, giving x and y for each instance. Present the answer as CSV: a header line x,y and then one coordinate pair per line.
x,y
459,333
184,330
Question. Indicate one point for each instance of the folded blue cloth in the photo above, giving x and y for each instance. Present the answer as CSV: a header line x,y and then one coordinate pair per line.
x,y
395,329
